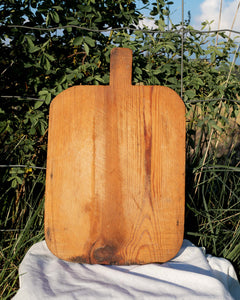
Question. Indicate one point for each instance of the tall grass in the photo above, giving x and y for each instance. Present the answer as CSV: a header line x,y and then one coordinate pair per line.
x,y
213,186
22,226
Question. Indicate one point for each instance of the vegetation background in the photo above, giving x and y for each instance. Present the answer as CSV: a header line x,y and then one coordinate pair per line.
x,y
50,45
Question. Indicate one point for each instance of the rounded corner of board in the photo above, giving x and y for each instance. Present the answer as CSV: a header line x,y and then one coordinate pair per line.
x,y
173,253
176,96
173,92
62,94
178,246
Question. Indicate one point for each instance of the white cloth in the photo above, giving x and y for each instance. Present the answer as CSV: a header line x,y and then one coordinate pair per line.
x,y
190,275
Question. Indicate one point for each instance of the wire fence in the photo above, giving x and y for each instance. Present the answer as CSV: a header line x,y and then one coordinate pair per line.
x,y
182,31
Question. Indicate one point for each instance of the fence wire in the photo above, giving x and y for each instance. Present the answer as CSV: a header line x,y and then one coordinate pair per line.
x,y
22,166
186,102
185,30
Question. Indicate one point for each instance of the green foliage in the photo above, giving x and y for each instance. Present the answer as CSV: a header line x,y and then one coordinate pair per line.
x,y
36,65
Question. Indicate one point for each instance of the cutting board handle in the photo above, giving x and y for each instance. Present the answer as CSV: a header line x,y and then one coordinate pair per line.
x,y
120,67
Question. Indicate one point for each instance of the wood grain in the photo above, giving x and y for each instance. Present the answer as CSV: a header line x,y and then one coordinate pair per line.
x,y
115,183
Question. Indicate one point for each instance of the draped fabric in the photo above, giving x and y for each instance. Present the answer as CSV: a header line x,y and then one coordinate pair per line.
x,y
190,275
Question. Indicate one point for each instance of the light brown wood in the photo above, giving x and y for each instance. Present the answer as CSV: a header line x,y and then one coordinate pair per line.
x,y
116,171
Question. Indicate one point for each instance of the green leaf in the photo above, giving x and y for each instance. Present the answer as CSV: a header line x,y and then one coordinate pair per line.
x,y
190,94
86,48
172,80
47,65
69,29
199,81
89,41
38,104
138,70
213,57
57,7
32,130
154,11
49,57
34,49
78,41
19,180
218,52
14,183
157,71
89,78
47,18
43,94
59,88
98,78
48,98
28,65
30,42
55,16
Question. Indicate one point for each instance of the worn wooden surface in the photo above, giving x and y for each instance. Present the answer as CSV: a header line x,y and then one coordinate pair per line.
x,y
116,171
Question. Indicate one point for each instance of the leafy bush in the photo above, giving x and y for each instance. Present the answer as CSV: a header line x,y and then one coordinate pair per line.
x,y
44,51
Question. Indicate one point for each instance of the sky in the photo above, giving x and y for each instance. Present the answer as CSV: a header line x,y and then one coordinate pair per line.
x,y
202,10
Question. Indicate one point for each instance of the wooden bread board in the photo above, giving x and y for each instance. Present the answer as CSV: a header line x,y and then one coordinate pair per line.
x,y
115,185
